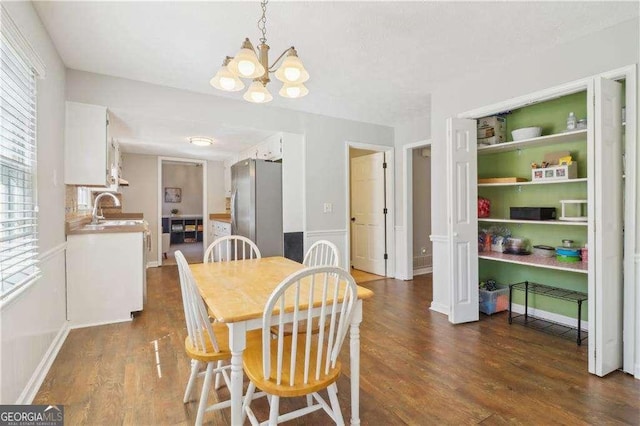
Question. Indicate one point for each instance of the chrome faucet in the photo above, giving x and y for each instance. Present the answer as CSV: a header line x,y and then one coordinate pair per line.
x,y
94,215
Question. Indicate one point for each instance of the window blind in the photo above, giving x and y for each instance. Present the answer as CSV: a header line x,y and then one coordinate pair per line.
x,y
18,208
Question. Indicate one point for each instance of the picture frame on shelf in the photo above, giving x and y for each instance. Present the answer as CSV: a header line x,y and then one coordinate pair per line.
x,y
172,195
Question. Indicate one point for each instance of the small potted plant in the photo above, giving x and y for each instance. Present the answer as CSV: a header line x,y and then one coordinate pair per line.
x,y
174,212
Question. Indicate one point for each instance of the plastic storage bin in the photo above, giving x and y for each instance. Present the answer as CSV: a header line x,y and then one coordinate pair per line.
x,y
494,301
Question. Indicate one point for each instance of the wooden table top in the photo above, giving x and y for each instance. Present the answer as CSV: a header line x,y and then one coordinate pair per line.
x,y
238,291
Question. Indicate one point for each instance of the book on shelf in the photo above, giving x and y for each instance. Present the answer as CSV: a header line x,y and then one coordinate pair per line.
x,y
189,228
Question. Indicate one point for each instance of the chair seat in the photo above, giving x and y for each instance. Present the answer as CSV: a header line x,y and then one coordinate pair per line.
x,y
252,361
222,335
302,327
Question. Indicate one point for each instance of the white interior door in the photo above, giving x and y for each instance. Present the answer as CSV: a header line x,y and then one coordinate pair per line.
x,y
608,221
463,219
367,213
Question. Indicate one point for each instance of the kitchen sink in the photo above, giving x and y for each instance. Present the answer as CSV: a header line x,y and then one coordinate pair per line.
x,y
108,223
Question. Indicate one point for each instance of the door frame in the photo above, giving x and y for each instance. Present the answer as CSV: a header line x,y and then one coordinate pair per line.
x,y
389,201
205,216
405,271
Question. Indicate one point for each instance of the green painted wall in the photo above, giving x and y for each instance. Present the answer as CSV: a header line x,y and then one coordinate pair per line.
x,y
552,117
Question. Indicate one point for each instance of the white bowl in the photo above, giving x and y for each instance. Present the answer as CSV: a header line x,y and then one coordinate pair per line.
x,y
526,133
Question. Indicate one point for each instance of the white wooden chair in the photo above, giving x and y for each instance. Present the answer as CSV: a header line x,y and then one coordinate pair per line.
x,y
207,344
322,253
303,363
231,247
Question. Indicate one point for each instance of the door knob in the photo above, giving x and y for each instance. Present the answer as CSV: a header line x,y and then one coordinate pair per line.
x,y
455,234
353,219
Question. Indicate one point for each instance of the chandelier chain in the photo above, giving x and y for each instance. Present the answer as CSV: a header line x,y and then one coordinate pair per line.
x,y
262,22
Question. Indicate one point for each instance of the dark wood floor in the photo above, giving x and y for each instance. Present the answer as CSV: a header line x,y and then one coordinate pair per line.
x,y
416,368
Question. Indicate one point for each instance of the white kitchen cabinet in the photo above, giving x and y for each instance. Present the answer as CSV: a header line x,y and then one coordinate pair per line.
x,y
87,145
106,275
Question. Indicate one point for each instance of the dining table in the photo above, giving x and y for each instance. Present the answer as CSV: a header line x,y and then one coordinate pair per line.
x,y
236,293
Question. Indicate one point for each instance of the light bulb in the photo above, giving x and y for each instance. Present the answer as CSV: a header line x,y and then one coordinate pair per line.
x,y
292,74
293,92
246,68
227,83
258,97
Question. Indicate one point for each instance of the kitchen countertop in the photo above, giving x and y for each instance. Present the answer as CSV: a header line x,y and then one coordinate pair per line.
x,y
220,217
78,226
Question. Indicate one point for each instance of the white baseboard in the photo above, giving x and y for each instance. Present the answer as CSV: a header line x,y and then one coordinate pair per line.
x,y
422,271
551,316
94,324
153,264
437,307
38,376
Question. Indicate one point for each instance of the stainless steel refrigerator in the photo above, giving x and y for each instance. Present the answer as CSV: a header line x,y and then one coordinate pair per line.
x,y
256,204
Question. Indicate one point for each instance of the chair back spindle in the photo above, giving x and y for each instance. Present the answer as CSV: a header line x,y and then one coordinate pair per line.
x,y
322,253
231,247
198,323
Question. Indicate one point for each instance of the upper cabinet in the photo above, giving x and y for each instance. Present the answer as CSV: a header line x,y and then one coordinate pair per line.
x,y
87,145
269,149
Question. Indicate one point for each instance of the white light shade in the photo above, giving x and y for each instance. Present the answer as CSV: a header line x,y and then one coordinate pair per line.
x,y
292,71
226,80
200,141
293,90
257,93
246,64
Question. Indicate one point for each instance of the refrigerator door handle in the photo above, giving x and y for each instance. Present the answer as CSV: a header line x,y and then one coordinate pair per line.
x,y
233,212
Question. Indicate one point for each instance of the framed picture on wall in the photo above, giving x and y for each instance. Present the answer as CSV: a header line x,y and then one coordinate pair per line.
x,y
172,195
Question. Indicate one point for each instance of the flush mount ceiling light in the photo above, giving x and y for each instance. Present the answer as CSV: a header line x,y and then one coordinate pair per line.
x,y
249,64
200,141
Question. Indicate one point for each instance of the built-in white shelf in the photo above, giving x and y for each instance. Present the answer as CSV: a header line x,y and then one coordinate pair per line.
x,y
573,136
535,182
535,222
536,261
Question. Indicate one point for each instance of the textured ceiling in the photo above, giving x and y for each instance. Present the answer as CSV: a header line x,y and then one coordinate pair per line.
x,y
369,61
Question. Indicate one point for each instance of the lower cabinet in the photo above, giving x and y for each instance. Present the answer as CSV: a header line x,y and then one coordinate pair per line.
x,y
105,277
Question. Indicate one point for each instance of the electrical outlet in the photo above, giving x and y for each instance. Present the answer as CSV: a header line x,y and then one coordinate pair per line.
x,y
328,207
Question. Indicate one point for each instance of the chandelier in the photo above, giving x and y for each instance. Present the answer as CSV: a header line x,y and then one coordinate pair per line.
x,y
249,64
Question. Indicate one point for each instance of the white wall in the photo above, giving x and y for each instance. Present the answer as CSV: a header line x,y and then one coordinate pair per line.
x,y
34,322
141,196
187,177
325,137
215,187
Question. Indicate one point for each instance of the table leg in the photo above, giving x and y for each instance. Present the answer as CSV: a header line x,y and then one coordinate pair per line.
x,y
354,352
237,343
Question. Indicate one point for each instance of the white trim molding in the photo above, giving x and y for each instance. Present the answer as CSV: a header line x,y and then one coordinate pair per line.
x,y
152,264
439,308
326,233
12,33
423,271
32,387
551,316
438,238
42,257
